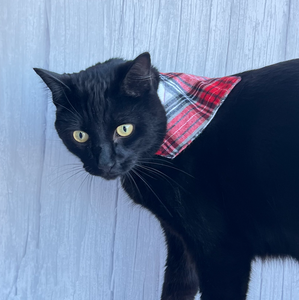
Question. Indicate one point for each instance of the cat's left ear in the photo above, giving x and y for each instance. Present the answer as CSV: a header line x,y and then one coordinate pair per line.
x,y
138,79
55,82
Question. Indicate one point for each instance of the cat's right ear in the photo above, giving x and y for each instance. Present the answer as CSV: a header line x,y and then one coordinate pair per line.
x,y
57,83
139,76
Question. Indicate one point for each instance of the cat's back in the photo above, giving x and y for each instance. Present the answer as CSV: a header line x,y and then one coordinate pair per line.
x,y
263,108
278,72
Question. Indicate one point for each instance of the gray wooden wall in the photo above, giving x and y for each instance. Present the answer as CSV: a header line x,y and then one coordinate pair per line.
x,y
65,235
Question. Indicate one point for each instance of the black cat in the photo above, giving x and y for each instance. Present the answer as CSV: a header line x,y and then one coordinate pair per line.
x,y
230,195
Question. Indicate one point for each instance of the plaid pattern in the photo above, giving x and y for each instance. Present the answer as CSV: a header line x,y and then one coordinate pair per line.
x,y
190,103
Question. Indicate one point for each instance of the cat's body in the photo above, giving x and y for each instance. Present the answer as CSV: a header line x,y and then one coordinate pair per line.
x,y
232,195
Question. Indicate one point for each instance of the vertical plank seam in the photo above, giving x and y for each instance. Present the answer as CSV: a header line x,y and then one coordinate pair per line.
x,y
178,38
44,144
229,37
113,242
287,30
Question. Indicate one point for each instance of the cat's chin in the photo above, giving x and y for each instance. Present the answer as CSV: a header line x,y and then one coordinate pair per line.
x,y
107,176
110,177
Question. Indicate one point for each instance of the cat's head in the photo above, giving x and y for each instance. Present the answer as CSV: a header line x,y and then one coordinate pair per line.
x,y
109,115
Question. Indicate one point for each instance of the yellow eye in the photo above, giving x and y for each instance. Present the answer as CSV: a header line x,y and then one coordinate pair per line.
x,y
80,136
124,130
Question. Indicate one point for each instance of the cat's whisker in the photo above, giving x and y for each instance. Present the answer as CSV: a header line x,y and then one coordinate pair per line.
x,y
71,104
157,158
61,173
72,176
144,78
76,164
143,172
68,167
164,176
90,180
133,180
138,175
164,165
69,110
81,184
65,169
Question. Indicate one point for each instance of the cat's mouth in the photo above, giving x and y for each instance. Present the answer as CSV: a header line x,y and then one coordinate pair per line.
x,y
108,174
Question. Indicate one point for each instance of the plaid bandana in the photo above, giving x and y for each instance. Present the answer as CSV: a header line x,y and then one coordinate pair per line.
x,y
190,103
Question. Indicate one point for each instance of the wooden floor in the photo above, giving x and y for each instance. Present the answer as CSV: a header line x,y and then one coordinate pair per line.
x,y
65,235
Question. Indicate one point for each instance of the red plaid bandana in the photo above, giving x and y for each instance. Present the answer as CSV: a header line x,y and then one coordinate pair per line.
x,y
190,103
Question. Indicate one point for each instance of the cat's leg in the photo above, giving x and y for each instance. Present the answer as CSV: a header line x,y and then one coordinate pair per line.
x,y
181,279
225,274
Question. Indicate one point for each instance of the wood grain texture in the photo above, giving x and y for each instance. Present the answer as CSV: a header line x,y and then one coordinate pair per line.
x,y
65,235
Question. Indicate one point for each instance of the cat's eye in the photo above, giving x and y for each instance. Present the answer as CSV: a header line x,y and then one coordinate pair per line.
x,y
80,136
124,130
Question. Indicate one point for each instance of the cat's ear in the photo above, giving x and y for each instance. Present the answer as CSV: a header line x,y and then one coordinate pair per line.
x,y
57,83
139,77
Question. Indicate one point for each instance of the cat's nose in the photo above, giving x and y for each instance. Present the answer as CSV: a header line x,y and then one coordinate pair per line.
x,y
106,160
106,167
106,163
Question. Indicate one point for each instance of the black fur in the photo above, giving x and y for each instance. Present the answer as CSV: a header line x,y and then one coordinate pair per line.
x,y
231,196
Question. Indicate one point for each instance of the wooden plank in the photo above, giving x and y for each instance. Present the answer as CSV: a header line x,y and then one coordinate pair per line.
x,y
292,39
22,143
